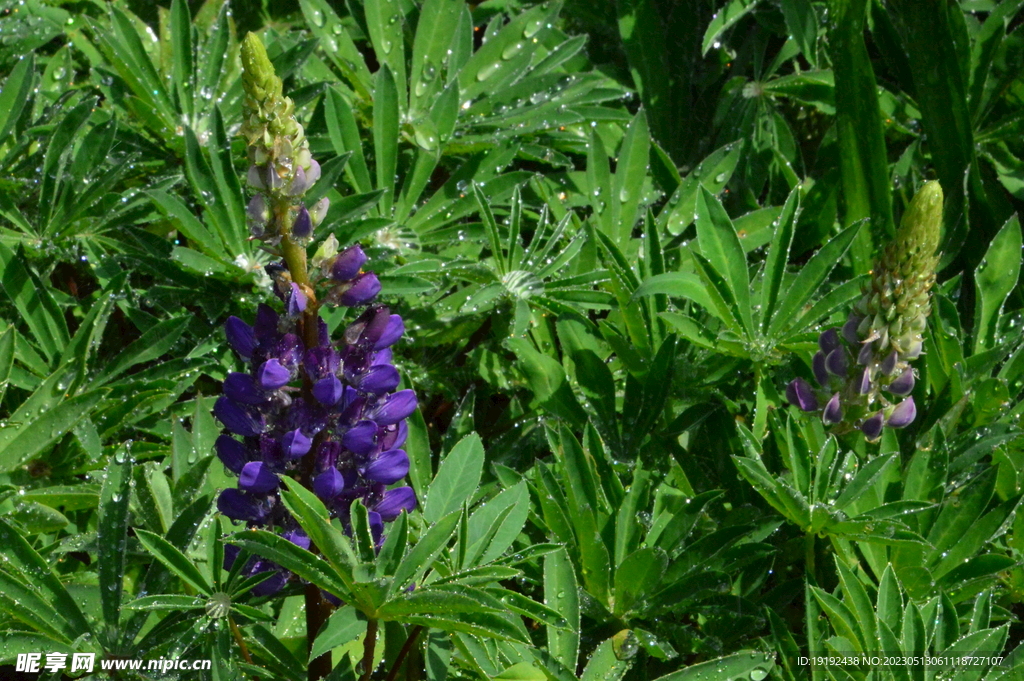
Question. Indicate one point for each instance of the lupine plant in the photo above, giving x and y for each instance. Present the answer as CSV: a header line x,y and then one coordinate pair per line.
x,y
422,339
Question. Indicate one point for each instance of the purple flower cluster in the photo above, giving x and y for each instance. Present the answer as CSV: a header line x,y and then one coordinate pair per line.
x,y
333,402
860,379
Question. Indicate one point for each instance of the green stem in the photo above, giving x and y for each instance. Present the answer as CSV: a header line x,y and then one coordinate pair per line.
x,y
406,647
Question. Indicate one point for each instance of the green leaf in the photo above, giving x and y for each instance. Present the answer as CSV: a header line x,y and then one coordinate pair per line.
x,y
712,173
306,565
183,71
494,526
435,30
6,358
23,603
560,592
723,19
33,301
167,602
16,93
456,480
720,244
422,556
385,135
604,664
176,561
778,256
149,346
637,578
810,277
315,520
743,665
385,22
995,278
185,222
343,626
36,518
112,535
34,436
630,174
802,24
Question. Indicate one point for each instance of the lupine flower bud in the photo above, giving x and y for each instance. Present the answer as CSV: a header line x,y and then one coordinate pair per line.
x,y
363,289
882,333
318,211
348,263
302,228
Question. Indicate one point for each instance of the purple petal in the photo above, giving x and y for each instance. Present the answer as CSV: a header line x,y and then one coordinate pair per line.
x,y
394,436
867,353
888,364
265,328
328,484
232,453
395,407
272,375
256,477
271,585
348,263
302,228
255,178
376,527
850,330
872,427
238,505
829,341
392,332
379,380
800,394
364,289
903,384
394,502
904,414
361,438
328,391
240,336
242,388
865,381
296,301
295,444
836,362
297,537
299,183
388,467
833,411
237,419
321,362
818,368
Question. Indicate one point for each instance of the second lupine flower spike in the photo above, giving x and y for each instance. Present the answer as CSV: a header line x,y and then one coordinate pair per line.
x,y
881,335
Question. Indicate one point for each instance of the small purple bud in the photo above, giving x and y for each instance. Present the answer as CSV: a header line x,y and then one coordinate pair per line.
x,y
238,505
829,341
302,228
865,381
361,438
836,362
237,419
328,391
394,330
296,301
395,407
904,414
872,427
272,375
240,336
379,380
363,289
328,484
866,354
818,368
903,384
295,444
388,467
319,211
888,364
256,477
255,177
394,502
348,263
299,183
833,411
232,453
242,388
800,394
850,330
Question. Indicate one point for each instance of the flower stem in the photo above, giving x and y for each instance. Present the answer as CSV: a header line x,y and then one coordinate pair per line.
x,y
318,609
239,640
368,645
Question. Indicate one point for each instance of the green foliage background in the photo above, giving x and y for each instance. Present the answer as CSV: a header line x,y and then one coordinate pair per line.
x,y
615,231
